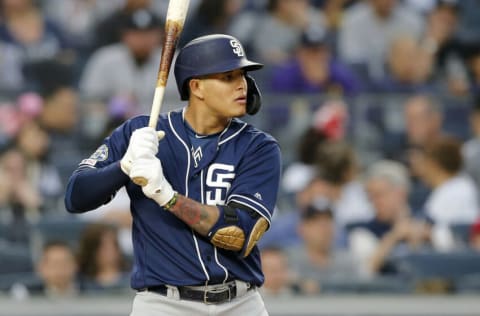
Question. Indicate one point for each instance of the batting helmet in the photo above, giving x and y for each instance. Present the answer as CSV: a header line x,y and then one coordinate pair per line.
x,y
213,54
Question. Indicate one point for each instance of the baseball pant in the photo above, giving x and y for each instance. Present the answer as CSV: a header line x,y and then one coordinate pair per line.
x,y
152,304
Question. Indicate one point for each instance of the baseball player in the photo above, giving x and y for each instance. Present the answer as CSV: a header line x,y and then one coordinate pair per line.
x,y
212,185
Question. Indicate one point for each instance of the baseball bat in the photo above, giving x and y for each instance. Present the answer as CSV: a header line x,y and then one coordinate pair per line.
x,y
176,14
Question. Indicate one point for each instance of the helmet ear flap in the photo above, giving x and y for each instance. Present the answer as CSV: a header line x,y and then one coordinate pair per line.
x,y
254,98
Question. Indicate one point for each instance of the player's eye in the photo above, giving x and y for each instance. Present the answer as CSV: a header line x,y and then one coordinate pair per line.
x,y
228,76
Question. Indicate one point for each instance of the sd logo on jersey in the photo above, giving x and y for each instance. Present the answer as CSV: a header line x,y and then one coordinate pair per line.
x,y
219,177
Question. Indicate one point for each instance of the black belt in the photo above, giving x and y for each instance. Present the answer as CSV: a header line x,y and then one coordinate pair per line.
x,y
208,297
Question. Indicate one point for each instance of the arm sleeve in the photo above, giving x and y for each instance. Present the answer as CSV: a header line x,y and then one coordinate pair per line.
x,y
256,185
88,188
99,177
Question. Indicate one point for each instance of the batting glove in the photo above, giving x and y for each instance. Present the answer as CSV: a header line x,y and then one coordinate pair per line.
x,y
157,188
143,143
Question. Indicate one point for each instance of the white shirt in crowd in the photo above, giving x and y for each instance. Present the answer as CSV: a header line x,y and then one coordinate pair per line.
x,y
454,202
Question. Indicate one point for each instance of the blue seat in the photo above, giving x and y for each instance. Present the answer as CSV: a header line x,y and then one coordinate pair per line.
x,y
67,229
461,233
390,284
431,265
468,284
15,259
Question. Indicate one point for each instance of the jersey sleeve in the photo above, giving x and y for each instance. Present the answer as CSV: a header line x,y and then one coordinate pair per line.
x,y
257,181
99,177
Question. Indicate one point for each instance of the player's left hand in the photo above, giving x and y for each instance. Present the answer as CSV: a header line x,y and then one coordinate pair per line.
x,y
157,188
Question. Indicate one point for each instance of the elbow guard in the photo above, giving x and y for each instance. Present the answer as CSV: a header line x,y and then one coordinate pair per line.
x,y
234,230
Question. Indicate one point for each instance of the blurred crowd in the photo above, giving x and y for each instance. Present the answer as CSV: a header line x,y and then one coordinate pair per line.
x,y
349,210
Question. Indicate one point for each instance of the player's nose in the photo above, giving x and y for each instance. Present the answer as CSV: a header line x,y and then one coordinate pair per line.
x,y
242,83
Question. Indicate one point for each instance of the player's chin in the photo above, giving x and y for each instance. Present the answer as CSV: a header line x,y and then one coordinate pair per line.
x,y
238,109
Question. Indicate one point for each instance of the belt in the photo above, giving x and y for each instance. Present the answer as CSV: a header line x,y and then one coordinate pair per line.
x,y
213,294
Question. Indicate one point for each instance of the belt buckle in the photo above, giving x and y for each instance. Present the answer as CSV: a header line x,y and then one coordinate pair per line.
x,y
205,295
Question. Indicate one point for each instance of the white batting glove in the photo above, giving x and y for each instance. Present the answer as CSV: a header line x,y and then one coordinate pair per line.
x,y
143,143
157,187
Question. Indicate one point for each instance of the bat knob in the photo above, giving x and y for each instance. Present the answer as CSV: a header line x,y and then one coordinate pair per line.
x,y
141,181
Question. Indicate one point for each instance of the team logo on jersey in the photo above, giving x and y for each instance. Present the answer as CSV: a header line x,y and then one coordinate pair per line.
x,y
237,48
100,154
197,155
219,178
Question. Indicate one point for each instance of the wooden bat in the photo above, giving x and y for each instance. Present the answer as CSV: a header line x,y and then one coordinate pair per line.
x,y
176,14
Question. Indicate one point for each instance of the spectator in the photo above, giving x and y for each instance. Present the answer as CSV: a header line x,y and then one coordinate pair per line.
x,y
313,69
408,67
329,123
24,200
393,231
57,269
101,263
129,68
34,142
317,259
25,26
278,31
211,17
60,118
78,18
334,14
367,30
109,30
423,121
337,168
454,198
423,118
276,270
442,45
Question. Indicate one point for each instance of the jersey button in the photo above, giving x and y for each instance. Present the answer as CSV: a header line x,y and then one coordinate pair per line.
x,y
209,258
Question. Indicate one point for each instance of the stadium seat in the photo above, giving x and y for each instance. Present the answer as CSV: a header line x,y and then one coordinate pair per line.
x,y
461,233
15,259
390,284
67,229
431,265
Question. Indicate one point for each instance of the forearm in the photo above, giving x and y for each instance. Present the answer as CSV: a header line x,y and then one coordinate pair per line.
x,y
383,250
198,216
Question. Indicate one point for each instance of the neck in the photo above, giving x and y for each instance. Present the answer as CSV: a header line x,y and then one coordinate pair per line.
x,y
108,274
440,178
204,122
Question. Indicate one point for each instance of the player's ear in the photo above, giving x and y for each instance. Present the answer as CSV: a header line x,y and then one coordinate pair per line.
x,y
196,88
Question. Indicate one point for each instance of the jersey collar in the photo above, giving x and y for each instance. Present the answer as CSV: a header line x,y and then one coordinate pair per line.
x,y
231,131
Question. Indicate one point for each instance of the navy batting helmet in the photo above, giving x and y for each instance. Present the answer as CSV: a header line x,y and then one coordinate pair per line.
x,y
212,54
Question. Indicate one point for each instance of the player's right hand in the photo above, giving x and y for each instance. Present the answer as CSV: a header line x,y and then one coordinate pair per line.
x,y
143,143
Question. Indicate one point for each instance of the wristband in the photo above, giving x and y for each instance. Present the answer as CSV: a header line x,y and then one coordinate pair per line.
x,y
172,201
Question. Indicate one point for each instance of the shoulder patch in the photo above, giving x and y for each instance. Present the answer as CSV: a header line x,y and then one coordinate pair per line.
x,y
100,154
88,162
